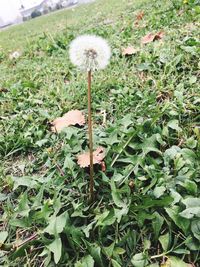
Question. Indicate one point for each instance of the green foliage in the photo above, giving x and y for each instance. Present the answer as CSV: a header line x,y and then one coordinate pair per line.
x,y
148,198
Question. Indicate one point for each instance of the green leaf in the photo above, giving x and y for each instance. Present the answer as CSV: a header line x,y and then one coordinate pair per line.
x,y
56,248
150,145
115,263
164,240
157,224
119,213
88,228
191,202
38,198
181,251
188,155
175,262
68,163
182,223
195,227
191,143
109,250
23,207
192,208
174,124
159,191
3,197
139,260
23,181
87,261
116,196
3,237
190,212
57,224
95,252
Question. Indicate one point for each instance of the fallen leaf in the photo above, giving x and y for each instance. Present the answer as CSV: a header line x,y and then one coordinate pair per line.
x,y
150,37
140,15
84,159
159,35
129,51
72,117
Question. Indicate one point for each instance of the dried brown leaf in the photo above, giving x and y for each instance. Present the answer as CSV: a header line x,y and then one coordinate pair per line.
x,y
129,51
150,37
140,15
72,117
84,159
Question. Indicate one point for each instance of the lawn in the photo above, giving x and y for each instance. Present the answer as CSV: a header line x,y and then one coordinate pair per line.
x,y
146,114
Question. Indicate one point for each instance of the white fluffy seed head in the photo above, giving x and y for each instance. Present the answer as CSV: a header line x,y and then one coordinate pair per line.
x,y
89,52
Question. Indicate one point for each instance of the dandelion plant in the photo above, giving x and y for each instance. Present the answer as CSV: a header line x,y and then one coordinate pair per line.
x,y
90,53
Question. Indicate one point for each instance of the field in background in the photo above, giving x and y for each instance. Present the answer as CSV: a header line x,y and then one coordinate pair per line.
x,y
145,114
16,37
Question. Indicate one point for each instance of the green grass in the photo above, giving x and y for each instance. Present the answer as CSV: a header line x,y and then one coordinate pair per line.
x,y
147,200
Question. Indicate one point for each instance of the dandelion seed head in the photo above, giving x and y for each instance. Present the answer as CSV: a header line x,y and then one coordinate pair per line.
x,y
14,55
90,52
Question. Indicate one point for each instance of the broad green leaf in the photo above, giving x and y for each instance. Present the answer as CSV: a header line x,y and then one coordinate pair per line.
x,y
190,213
23,181
192,208
139,260
23,206
164,240
88,228
174,124
150,145
38,198
181,251
115,263
188,155
3,197
3,237
119,251
116,196
195,227
153,265
95,252
57,224
157,224
87,261
191,142
56,248
42,142
159,191
171,152
182,223
175,262
119,213
127,120
68,163
177,197
191,202
109,250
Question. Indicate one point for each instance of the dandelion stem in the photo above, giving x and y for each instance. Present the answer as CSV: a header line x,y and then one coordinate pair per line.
x,y
91,193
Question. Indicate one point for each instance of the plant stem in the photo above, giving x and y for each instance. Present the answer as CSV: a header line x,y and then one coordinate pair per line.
x,y
91,194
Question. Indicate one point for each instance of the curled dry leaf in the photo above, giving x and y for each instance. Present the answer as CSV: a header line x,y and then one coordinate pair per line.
x,y
72,117
150,37
139,17
98,156
129,51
